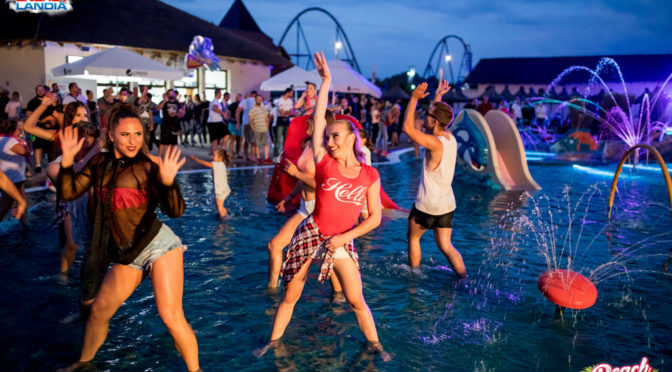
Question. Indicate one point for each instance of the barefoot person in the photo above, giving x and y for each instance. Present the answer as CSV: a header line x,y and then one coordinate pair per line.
x,y
128,187
342,182
220,160
304,171
435,203
9,188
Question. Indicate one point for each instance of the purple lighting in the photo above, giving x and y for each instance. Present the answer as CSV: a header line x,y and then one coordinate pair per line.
x,y
629,128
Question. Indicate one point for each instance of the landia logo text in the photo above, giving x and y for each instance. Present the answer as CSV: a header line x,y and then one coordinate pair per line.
x,y
51,7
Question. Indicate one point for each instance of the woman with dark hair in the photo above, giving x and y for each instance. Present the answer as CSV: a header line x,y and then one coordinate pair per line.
x,y
72,235
128,186
343,181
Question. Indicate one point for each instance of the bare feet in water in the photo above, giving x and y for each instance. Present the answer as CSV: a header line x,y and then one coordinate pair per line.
x,y
261,351
377,348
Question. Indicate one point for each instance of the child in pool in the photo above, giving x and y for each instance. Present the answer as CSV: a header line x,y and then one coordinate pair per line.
x,y
222,190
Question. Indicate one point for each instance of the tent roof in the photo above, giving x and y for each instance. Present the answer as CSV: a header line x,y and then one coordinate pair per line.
x,y
507,95
119,62
295,76
492,94
163,27
344,79
396,93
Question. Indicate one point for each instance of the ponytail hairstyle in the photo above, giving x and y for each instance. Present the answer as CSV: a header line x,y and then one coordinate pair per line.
x,y
120,111
356,148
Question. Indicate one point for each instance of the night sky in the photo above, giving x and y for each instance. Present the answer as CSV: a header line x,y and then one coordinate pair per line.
x,y
394,36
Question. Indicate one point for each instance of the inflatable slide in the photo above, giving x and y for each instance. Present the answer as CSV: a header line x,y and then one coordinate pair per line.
x,y
490,151
282,183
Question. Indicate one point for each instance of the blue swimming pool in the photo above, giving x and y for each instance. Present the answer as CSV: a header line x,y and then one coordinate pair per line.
x,y
495,320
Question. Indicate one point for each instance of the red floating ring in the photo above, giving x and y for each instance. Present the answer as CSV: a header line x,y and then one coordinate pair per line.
x,y
567,289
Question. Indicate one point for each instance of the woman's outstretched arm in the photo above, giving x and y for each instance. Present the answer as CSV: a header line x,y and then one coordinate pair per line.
x,y
319,150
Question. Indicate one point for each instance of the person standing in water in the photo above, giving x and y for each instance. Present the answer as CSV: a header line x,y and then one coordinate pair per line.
x,y
304,172
220,160
343,181
128,186
435,203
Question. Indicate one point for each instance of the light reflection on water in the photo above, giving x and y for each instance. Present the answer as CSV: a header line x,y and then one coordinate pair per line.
x,y
493,320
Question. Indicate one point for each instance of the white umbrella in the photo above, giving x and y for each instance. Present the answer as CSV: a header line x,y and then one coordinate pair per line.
x,y
119,62
344,79
295,77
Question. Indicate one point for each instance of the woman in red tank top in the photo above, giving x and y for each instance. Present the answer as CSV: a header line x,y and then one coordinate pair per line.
x,y
343,183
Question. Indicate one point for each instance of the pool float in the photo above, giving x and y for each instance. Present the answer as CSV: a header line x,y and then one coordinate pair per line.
x,y
568,289
282,183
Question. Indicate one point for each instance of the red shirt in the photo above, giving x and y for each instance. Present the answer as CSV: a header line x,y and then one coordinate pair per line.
x,y
339,199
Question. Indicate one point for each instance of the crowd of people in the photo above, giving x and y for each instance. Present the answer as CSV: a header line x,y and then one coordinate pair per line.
x,y
109,184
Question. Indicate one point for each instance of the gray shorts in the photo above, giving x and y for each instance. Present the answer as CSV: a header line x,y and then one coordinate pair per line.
x,y
164,241
261,138
247,133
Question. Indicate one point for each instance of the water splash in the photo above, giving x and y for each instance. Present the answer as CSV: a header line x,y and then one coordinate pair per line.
x,y
619,120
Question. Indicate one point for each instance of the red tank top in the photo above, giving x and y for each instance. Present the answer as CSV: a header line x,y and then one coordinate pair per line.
x,y
339,199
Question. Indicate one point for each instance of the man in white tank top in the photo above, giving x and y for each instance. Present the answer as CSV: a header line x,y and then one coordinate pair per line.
x,y
435,203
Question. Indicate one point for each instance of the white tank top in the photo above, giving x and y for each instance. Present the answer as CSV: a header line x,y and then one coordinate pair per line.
x,y
435,194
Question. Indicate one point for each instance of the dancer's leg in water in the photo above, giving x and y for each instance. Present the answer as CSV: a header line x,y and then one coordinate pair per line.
x,y
350,278
70,248
277,244
442,238
415,232
117,286
348,274
168,283
292,294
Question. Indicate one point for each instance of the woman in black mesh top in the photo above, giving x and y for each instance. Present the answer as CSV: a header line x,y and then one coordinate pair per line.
x,y
127,188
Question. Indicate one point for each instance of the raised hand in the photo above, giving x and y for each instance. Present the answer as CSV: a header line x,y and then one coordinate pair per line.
x,y
443,88
321,65
49,99
170,164
70,144
420,92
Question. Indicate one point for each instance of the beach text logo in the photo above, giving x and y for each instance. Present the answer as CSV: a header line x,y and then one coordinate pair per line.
x,y
51,7
643,366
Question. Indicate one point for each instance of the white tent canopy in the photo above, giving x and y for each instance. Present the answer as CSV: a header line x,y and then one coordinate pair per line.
x,y
295,77
344,79
119,62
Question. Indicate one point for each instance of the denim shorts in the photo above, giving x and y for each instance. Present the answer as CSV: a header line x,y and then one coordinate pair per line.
x,y
163,242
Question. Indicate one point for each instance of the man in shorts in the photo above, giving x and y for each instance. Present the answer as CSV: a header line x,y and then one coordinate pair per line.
x,y
260,123
435,203
219,131
172,111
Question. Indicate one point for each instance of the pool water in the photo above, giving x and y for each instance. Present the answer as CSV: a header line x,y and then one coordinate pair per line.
x,y
495,320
